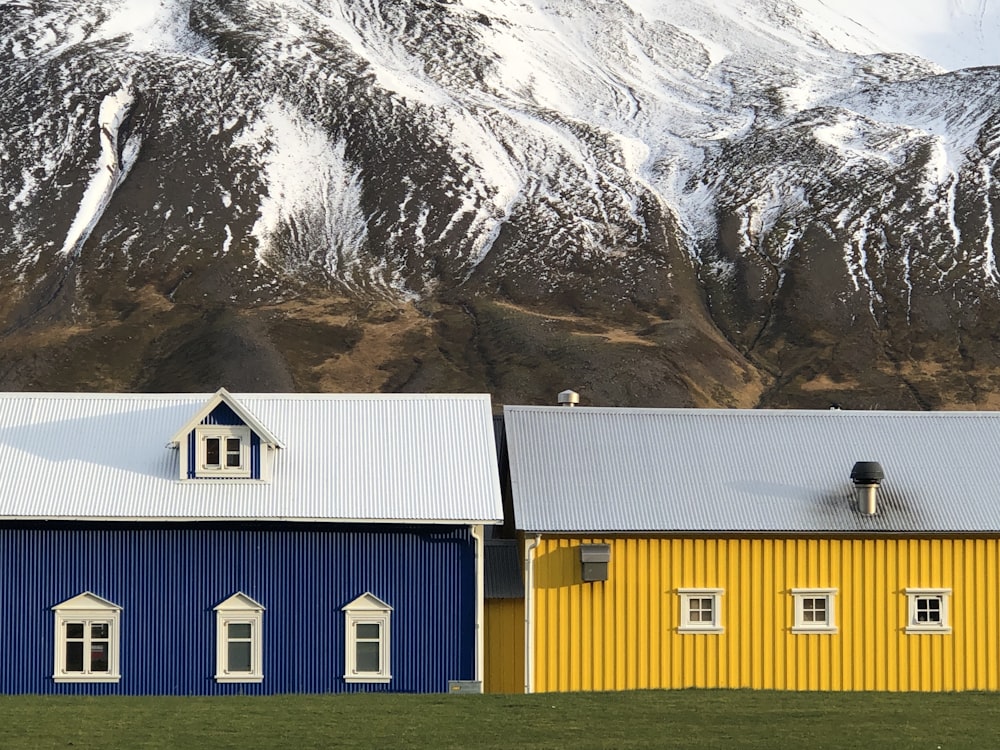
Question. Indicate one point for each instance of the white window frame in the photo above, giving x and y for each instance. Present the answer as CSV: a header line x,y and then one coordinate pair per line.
x,y
802,625
205,432
700,626
239,609
367,609
88,609
913,597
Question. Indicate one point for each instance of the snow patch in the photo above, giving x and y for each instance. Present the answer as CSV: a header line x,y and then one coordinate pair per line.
x,y
113,166
311,211
159,26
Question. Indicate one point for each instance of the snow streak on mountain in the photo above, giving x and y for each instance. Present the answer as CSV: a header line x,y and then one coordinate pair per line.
x,y
810,159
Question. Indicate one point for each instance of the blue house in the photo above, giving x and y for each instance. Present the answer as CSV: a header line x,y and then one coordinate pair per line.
x,y
251,543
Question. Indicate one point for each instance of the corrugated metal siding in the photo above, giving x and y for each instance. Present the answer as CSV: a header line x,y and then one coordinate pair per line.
x,y
503,573
379,457
504,644
622,634
604,469
223,415
167,580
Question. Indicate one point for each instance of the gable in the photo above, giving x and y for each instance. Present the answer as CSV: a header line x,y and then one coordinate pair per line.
x,y
224,409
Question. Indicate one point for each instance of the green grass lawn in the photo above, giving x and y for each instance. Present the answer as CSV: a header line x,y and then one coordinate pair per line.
x,y
670,719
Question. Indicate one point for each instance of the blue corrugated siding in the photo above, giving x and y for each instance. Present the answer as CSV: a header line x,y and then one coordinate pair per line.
x,y
167,579
192,447
223,414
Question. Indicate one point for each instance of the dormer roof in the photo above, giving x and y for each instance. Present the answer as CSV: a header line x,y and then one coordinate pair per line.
x,y
222,396
239,601
86,602
367,602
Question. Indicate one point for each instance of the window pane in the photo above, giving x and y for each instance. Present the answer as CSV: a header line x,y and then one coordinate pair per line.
x,y
701,609
212,451
99,630
74,656
74,630
232,452
367,660
368,630
929,610
239,656
239,630
99,657
814,609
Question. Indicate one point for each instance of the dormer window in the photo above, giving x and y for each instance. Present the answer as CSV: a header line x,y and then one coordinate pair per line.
x,y
223,440
222,451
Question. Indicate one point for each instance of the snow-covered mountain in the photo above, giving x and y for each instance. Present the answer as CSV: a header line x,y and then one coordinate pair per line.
x,y
713,202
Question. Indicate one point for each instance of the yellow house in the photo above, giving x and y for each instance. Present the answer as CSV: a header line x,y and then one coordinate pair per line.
x,y
793,550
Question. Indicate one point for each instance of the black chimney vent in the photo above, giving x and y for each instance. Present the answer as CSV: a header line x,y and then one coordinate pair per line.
x,y
867,472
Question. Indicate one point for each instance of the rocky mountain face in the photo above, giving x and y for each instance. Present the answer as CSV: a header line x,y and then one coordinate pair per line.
x,y
716,204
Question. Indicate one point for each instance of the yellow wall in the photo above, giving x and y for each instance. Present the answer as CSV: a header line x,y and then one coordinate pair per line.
x,y
622,634
503,635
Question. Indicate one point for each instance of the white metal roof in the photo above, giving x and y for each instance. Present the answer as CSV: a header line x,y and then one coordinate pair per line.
x,y
584,469
384,458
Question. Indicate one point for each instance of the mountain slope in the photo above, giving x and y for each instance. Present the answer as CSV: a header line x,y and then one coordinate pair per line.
x,y
720,203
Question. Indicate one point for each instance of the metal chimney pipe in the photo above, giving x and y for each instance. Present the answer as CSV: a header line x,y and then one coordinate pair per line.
x,y
569,398
867,475
869,499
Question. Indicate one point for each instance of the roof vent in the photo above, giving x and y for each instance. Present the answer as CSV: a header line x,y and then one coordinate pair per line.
x,y
867,475
569,398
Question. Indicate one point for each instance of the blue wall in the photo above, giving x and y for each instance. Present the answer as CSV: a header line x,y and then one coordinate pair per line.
x,y
167,579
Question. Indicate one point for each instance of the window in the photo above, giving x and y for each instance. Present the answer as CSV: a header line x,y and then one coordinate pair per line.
x,y
701,610
366,657
814,611
239,651
222,451
927,610
86,640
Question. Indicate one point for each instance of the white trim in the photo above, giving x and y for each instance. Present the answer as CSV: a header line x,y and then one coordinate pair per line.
x,y
913,595
529,613
88,610
205,432
700,626
801,625
239,609
478,539
367,609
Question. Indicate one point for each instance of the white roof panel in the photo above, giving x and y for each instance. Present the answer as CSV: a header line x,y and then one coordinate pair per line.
x,y
585,469
373,457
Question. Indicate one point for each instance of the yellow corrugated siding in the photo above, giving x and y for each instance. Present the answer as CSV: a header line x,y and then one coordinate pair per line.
x,y
622,633
503,637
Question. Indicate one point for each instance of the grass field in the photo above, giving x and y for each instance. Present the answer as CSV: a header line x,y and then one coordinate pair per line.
x,y
668,719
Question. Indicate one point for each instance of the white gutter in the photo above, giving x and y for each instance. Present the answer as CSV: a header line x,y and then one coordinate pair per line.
x,y
529,614
477,535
